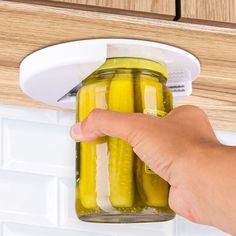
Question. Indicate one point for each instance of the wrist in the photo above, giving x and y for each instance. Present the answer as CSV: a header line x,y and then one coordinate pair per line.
x,y
215,186
194,175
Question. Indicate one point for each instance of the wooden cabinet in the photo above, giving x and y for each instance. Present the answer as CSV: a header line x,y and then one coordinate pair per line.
x,y
216,12
25,28
162,9
158,8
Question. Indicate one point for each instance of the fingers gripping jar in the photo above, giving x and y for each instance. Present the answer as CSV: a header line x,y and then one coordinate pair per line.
x,y
113,184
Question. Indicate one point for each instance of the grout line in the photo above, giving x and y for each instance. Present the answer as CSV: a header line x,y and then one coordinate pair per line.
x,y
176,226
58,203
26,172
177,10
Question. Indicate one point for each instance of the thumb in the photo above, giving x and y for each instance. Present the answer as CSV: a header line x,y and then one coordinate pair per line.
x,y
101,123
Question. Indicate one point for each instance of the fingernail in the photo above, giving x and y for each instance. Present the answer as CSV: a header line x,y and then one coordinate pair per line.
x,y
75,132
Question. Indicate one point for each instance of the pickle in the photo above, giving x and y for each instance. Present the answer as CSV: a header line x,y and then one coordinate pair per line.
x,y
152,188
168,100
149,100
89,97
121,98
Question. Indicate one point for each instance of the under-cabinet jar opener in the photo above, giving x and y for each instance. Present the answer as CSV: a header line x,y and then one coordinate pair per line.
x,y
53,75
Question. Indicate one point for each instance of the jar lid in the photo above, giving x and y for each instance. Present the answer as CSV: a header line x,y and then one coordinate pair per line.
x,y
134,63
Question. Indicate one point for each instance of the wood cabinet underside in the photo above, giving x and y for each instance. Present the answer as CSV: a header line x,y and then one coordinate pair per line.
x,y
25,28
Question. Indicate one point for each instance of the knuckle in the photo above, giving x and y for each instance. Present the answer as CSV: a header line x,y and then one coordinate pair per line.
x,y
196,111
94,114
193,108
87,123
83,126
190,110
94,118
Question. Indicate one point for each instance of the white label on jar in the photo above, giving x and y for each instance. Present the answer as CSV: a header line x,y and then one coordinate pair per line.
x,y
102,178
150,98
102,162
101,97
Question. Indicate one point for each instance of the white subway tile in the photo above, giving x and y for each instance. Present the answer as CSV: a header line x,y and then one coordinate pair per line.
x,y
69,219
66,118
28,113
37,141
186,228
67,214
161,228
28,198
226,137
27,230
38,148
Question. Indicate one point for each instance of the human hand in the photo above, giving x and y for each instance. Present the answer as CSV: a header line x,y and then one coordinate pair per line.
x,y
181,148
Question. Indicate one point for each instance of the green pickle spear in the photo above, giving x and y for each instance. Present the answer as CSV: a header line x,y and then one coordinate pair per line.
x,y
121,98
149,100
168,100
89,97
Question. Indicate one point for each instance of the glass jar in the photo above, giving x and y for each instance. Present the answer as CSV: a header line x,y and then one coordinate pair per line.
x,y
113,184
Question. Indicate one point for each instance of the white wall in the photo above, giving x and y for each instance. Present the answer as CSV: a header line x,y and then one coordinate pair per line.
x,y
37,180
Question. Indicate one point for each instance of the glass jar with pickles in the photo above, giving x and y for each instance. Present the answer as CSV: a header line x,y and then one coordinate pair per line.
x,y
113,184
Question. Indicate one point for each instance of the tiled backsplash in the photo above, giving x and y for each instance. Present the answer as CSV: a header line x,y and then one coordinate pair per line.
x,y
37,181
